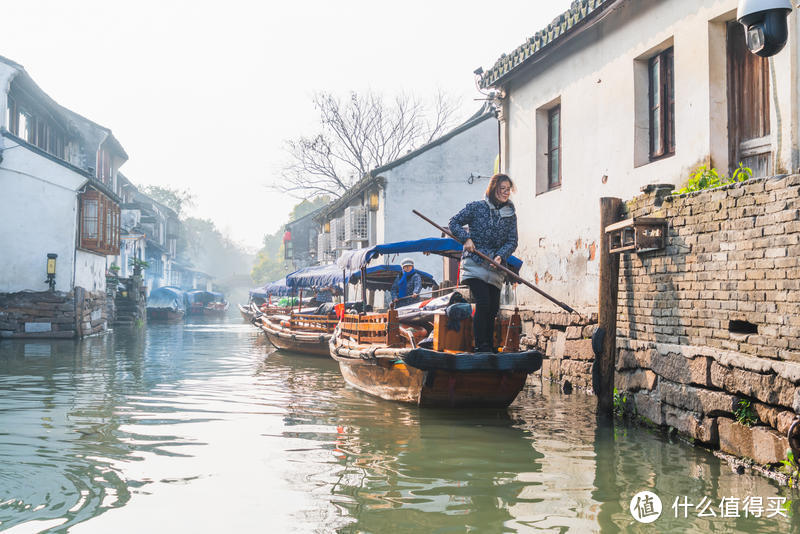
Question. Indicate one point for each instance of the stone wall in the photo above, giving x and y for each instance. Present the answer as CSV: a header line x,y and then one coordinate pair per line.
x,y
57,314
714,319
565,339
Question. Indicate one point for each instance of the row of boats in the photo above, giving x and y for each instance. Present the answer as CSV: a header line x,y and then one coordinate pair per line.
x,y
420,353
171,304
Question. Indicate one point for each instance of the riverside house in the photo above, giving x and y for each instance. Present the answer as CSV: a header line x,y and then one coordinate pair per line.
x,y
437,179
614,95
61,213
619,96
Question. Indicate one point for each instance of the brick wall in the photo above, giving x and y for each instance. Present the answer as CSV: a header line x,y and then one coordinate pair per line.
x,y
715,317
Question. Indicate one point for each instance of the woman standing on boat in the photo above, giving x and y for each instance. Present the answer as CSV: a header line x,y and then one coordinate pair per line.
x,y
492,230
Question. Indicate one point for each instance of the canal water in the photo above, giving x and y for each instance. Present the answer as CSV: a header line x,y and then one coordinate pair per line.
x,y
204,428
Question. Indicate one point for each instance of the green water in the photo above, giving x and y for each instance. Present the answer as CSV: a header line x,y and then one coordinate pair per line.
x,y
201,428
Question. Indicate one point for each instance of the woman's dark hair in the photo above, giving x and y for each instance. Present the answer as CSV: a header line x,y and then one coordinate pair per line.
x,y
495,182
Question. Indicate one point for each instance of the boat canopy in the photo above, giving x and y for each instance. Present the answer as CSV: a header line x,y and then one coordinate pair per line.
x,y
444,246
199,295
278,288
166,297
379,277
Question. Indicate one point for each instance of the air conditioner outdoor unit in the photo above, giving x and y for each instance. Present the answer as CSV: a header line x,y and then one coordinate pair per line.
x,y
337,234
355,224
323,246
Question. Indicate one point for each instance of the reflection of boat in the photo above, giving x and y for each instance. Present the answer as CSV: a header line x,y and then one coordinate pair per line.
x,y
206,303
166,304
421,354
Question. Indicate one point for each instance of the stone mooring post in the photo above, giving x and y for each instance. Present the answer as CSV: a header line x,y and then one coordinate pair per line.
x,y
606,349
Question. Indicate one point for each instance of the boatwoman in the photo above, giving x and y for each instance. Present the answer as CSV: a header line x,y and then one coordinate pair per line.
x,y
407,286
492,224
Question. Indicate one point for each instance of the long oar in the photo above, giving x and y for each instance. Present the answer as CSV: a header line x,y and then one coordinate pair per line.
x,y
509,272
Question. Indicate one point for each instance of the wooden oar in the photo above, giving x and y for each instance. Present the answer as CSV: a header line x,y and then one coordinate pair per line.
x,y
509,272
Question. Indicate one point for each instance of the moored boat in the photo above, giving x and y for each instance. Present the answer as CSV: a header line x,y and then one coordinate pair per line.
x,y
166,304
422,354
206,303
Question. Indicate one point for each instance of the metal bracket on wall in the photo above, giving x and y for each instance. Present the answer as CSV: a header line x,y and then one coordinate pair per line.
x,y
638,234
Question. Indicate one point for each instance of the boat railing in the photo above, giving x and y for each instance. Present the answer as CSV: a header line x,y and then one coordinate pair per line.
x,y
372,328
316,323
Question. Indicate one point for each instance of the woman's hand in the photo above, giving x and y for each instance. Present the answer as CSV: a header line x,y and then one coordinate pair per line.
x,y
498,260
469,246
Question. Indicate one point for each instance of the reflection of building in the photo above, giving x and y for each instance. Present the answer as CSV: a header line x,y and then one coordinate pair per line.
x,y
60,196
437,179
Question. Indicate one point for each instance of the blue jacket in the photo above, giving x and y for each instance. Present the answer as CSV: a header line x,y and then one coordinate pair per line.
x,y
494,231
414,285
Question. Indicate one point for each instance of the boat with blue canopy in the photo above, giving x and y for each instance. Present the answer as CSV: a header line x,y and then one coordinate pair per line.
x,y
166,303
206,303
309,329
424,355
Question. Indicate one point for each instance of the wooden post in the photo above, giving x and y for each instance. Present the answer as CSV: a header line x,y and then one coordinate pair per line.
x,y
603,377
364,287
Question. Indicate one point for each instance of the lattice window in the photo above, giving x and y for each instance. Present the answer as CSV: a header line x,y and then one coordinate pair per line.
x,y
99,231
355,223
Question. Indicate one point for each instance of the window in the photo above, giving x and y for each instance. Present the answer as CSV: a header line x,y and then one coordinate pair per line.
x,y
100,216
662,104
28,123
548,157
103,171
554,147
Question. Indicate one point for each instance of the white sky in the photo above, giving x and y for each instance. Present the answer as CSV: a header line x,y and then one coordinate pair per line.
x,y
202,94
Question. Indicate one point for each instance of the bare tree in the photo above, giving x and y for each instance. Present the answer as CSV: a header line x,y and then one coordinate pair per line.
x,y
358,134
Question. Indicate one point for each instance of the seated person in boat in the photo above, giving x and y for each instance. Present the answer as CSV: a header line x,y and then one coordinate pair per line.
x,y
407,286
492,224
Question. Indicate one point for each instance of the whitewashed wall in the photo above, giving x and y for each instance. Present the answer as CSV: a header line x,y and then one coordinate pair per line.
x,y
39,204
90,271
598,81
435,183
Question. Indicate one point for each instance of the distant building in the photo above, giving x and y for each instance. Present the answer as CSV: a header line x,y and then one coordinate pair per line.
x,y
59,196
437,179
300,240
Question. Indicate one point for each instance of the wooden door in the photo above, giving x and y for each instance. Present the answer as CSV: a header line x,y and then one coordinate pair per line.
x,y
748,106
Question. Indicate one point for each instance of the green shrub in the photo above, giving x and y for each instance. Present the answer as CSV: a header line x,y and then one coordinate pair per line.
x,y
705,178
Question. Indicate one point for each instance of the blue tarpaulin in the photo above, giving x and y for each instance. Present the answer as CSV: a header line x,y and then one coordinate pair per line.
x,y
378,277
166,297
199,295
278,288
443,246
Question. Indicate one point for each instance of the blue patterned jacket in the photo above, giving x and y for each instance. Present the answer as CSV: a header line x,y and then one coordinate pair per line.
x,y
494,231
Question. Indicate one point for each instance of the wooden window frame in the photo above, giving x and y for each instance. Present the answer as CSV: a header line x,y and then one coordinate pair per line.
x,y
661,104
106,219
555,111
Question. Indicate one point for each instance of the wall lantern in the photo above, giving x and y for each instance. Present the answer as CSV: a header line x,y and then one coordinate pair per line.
x,y
51,270
327,228
373,201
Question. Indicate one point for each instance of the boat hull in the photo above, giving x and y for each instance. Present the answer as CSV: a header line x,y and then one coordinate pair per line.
x,y
445,382
303,342
165,315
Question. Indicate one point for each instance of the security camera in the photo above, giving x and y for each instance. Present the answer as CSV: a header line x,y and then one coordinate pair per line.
x,y
765,26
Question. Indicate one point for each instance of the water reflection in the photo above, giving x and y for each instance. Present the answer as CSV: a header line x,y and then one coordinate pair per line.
x,y
148,427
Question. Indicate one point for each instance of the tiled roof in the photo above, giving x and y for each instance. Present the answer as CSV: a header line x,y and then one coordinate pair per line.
x,y
579,11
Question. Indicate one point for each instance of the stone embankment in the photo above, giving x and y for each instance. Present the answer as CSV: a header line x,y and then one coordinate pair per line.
x,y
52,314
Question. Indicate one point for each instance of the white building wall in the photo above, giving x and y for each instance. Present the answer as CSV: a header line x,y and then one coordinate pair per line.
x,y
90,271
595,78
436,183
38,207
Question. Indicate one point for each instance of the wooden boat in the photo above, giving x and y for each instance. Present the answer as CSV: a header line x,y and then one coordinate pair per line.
x,y
381,353
309,334
166,304
246,312
206,303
